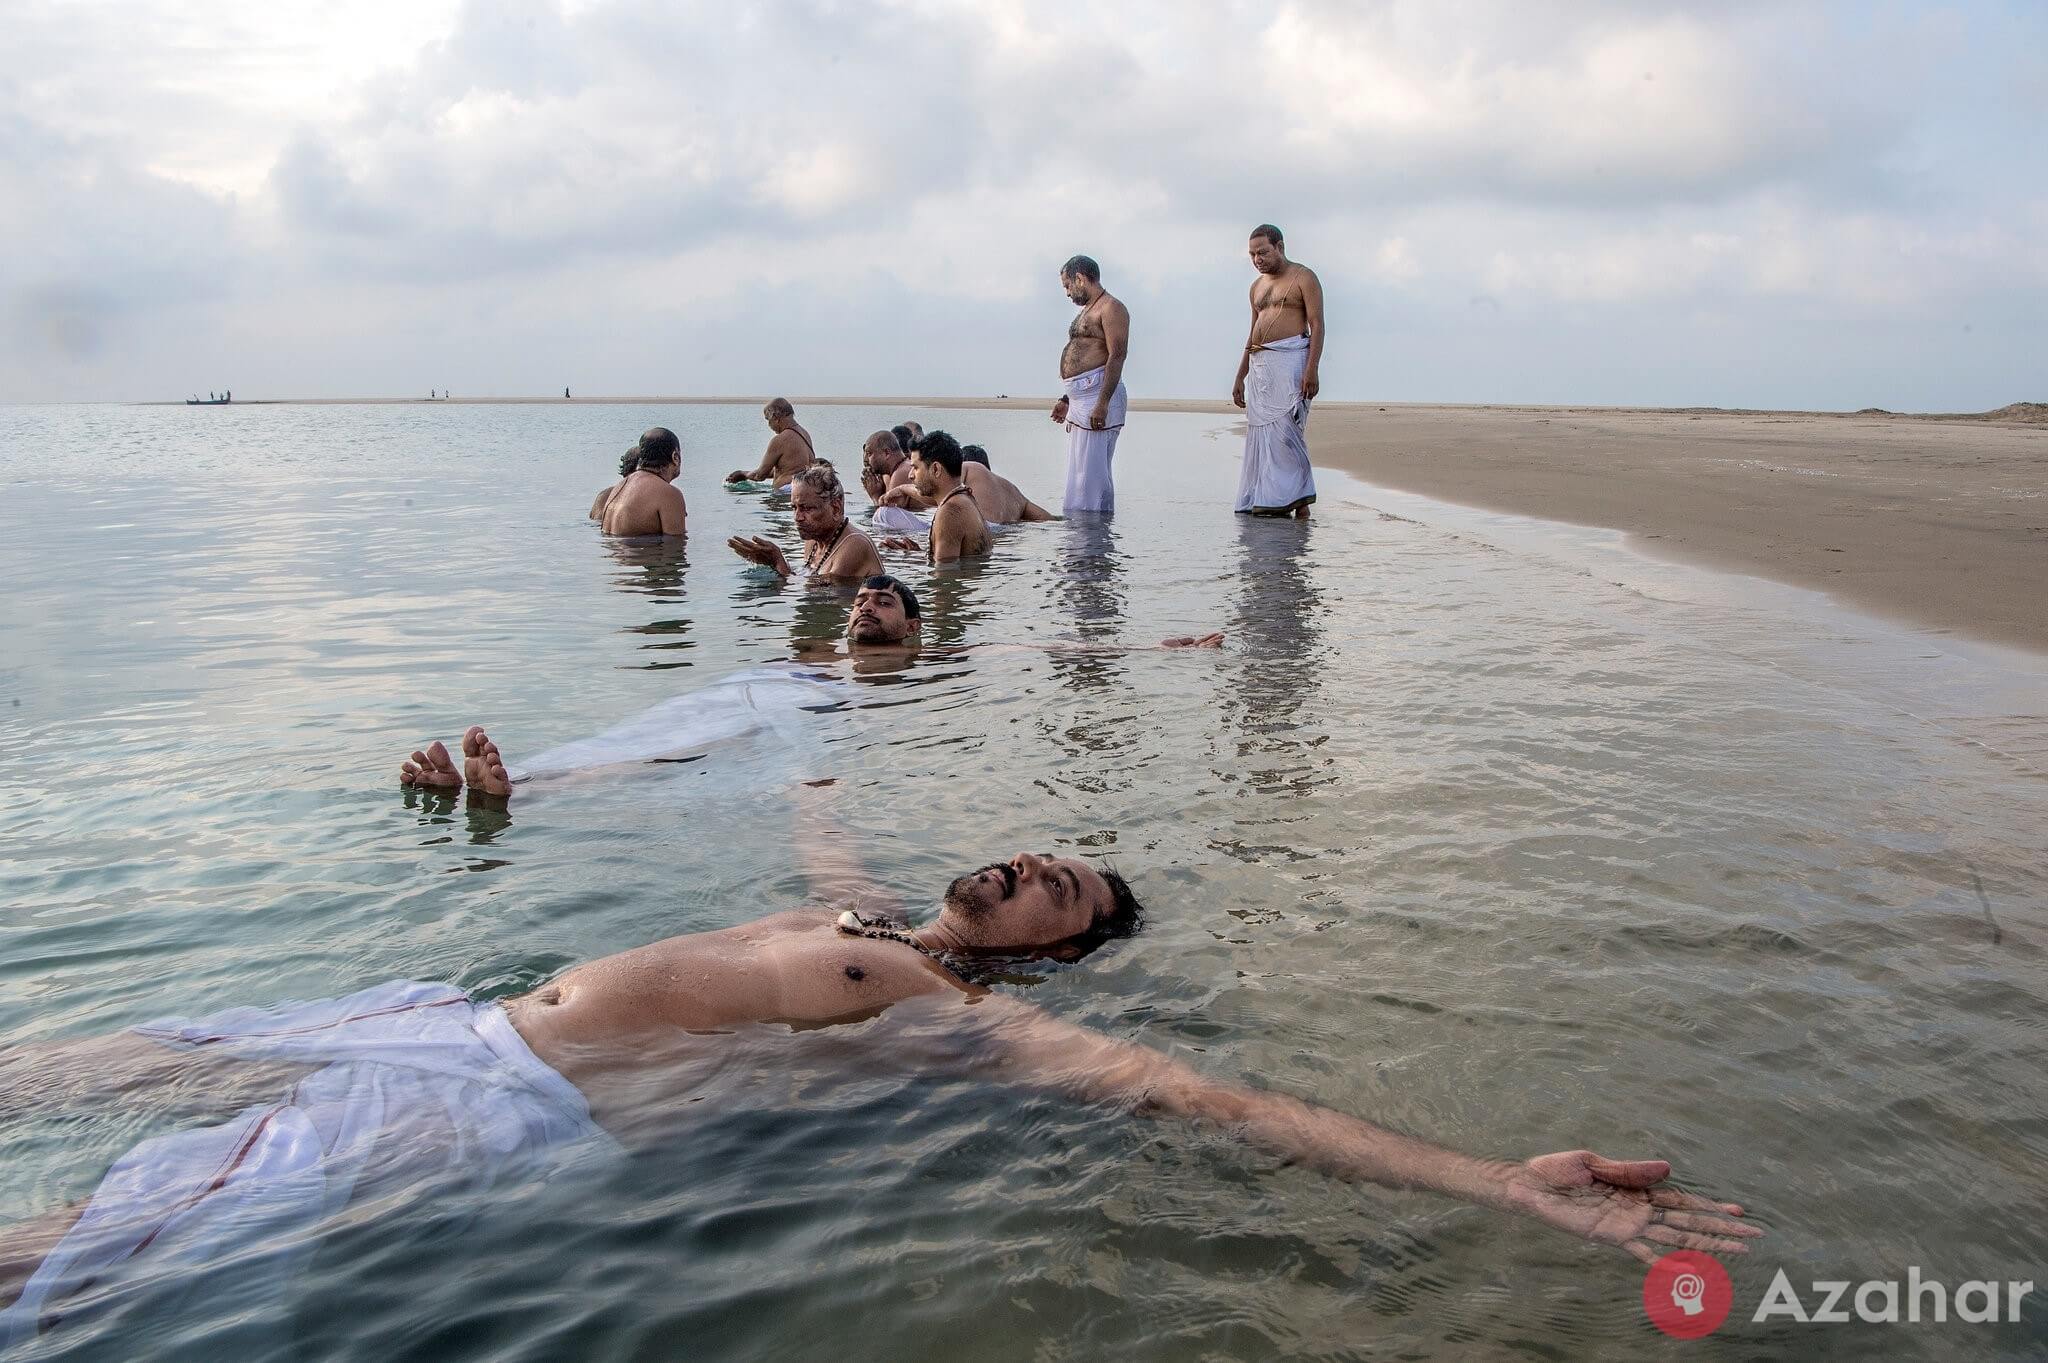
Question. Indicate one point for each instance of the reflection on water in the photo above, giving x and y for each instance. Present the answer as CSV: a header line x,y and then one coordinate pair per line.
x,y
1279,620
653,566
1451,836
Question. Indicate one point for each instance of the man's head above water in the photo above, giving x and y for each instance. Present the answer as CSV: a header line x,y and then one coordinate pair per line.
x,y
884,612
817,502
1032,902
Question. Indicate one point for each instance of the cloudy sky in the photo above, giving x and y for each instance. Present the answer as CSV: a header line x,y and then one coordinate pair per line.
x,y
1738,204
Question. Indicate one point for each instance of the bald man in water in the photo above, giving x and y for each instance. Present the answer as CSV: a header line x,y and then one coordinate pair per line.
x,y
423,1081
790,450
884,465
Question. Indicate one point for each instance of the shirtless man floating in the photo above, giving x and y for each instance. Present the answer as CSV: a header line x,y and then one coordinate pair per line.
x,y
789,451
958,530
420,1081
1277,377
1092,375
646,501
833,550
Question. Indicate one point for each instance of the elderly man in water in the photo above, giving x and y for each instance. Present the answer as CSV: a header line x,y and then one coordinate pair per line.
x,y
645,500
834,551
789,451
414,1082
884,465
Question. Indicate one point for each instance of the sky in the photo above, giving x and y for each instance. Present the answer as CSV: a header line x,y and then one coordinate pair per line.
x,y
1776,204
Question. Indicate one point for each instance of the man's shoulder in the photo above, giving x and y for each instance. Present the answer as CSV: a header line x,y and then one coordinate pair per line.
x,y
1301,274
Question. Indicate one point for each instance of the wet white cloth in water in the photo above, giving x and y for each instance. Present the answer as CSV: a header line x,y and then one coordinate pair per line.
x,y
1090,453
901,520
420,1083
1276,475
761,699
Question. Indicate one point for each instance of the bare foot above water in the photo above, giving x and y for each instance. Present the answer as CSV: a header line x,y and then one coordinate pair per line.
x,y
431,767
483,766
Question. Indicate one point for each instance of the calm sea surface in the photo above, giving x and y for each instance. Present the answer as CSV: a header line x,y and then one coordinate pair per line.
x,y
1494,834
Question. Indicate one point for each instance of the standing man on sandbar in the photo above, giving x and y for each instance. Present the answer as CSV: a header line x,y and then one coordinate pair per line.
x,y
1277,378
1092,375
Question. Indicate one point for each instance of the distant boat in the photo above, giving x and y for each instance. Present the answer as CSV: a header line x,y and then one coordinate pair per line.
x,y
206,402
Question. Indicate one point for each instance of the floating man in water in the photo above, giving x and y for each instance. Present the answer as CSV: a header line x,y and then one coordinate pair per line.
x,y
402,1084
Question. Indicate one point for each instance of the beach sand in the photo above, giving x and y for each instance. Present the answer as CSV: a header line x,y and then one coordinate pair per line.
x,y
1938,521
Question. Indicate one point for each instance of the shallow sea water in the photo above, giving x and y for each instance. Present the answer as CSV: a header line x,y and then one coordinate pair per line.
x,y
1485,830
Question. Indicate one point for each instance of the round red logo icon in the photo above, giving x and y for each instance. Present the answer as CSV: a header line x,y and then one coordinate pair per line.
x,y
1687,1295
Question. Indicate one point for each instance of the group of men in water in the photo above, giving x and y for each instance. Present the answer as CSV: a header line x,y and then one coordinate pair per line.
x,y
424,1082
963,495
1278,377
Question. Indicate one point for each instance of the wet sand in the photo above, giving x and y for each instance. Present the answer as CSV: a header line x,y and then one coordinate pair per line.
x,y
1941,522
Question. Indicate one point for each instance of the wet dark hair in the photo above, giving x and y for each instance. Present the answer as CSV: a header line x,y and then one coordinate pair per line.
x,y
1083,266
904,439
974,454
939,448
655,448
1126,915
1269,232
882,582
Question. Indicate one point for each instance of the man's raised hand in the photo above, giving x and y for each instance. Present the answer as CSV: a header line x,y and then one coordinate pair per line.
x,y
755,549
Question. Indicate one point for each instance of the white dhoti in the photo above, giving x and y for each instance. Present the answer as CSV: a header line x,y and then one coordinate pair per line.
x,y
900,520
420,1083
764,699
1277,478
1090,486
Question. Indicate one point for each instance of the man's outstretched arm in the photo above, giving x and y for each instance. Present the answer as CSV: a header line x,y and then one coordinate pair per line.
x,y
1613,1202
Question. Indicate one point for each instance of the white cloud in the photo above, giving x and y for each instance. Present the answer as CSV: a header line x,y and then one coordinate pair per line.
x,y
293,182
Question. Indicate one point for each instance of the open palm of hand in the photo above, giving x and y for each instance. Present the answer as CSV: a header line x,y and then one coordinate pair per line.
x,y
1625,1203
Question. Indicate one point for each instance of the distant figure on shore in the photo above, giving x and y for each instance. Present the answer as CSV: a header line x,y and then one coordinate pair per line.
x,y
789,451
1092,373
565,395
884,465
228,396
647,502
833,549
958,530
1277,379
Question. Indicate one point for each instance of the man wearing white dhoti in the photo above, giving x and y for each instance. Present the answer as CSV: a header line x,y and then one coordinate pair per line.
x,y
1277,379
1092,400
408,1080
